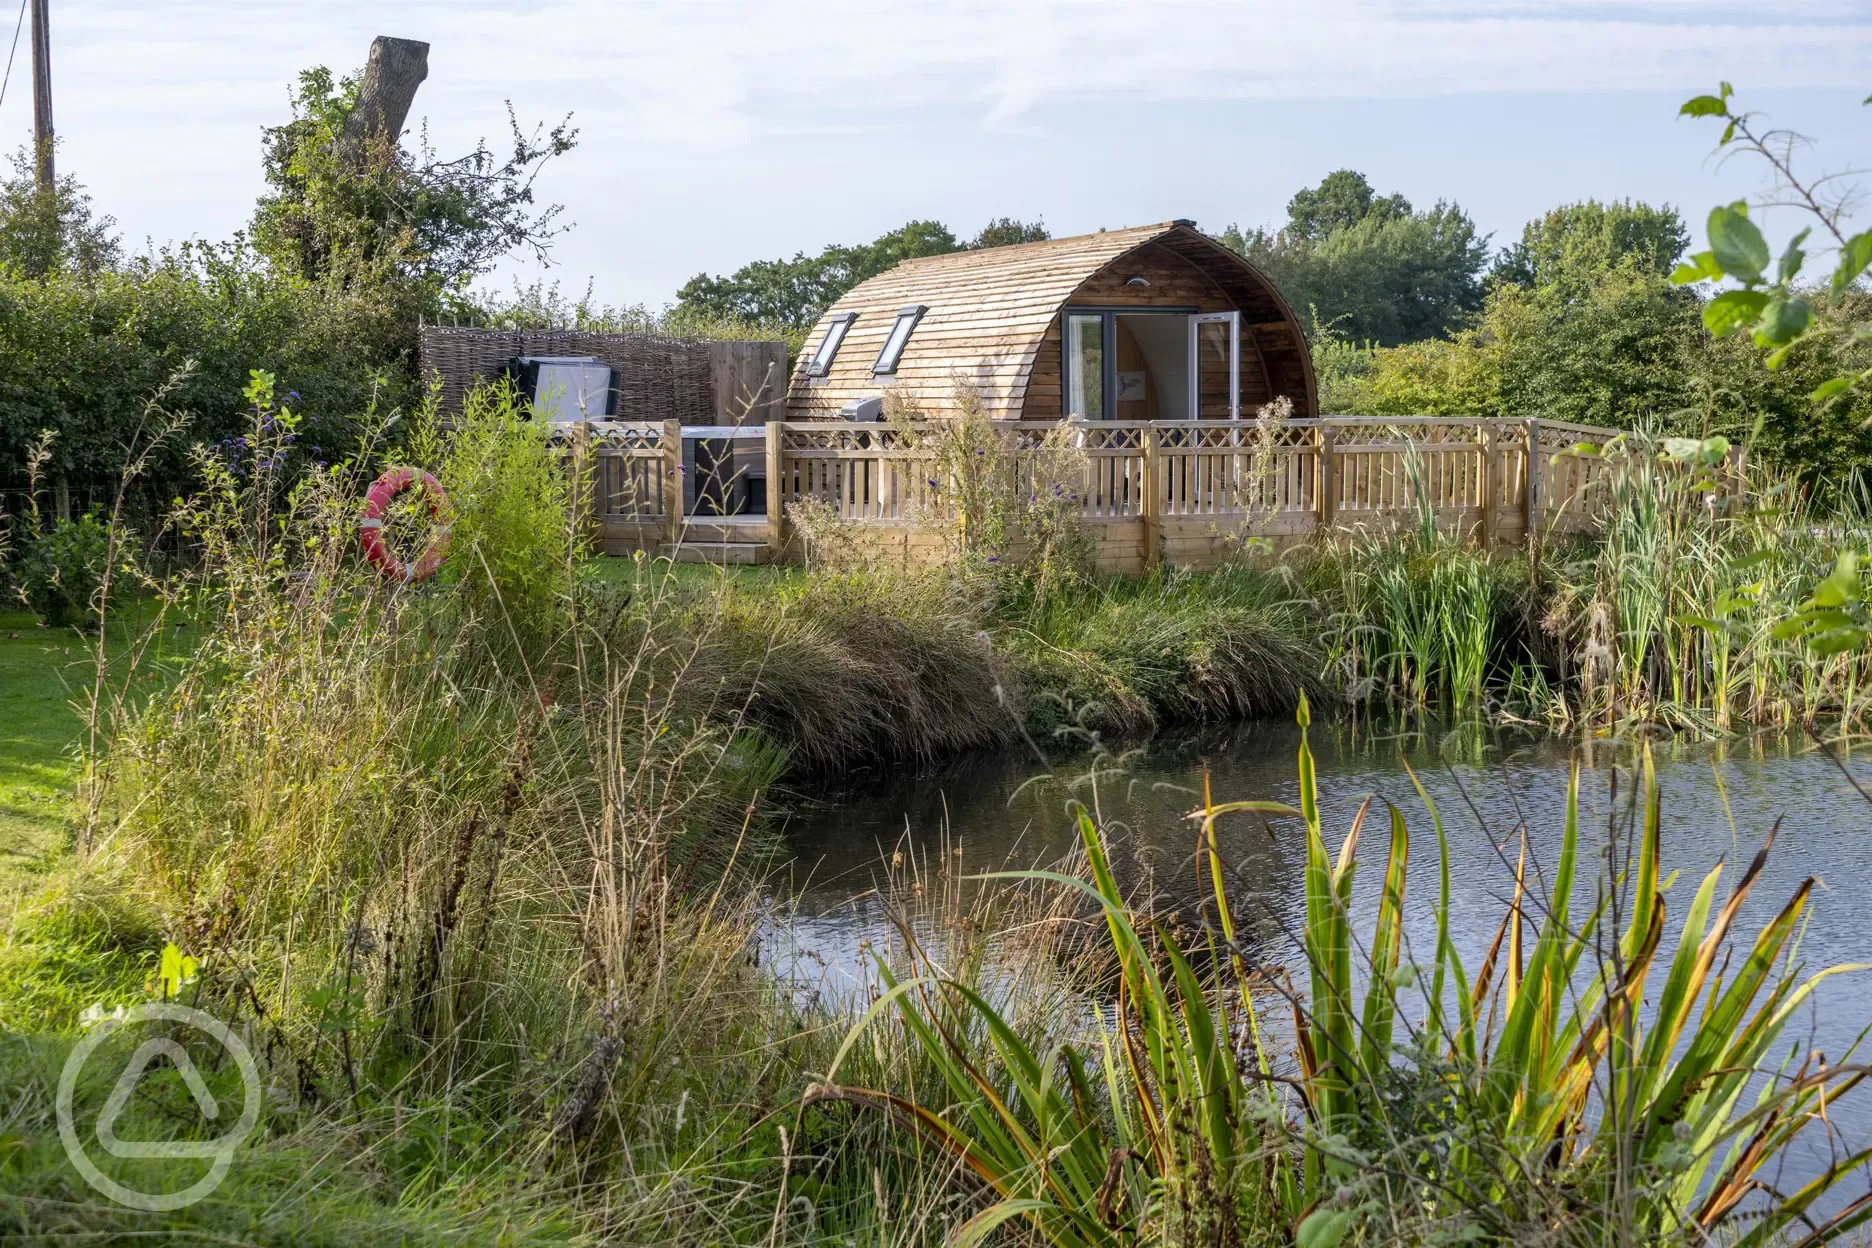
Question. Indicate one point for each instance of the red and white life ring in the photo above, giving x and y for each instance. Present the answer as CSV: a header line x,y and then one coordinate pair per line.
x,y
370,526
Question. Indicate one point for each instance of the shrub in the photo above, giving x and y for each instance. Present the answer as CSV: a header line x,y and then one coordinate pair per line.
x,y
61,570
515,536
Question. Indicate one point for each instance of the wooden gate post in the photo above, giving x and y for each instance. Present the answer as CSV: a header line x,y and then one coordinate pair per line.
x,y
1326,489
1150,496
672,483
776,492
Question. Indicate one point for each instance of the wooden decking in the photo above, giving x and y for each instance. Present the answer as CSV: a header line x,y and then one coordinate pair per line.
x,y
1184,492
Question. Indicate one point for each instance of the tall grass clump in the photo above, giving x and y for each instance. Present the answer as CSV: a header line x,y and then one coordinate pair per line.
x,y
1602,1077
1418,614
1678,609
1129,655
515,536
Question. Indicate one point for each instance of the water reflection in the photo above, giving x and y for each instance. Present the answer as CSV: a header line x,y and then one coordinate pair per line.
x,y
1719,801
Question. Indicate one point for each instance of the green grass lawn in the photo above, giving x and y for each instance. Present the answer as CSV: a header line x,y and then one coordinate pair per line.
x,y
40,672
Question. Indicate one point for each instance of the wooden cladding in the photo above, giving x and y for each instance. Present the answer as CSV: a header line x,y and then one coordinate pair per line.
x,y
993,322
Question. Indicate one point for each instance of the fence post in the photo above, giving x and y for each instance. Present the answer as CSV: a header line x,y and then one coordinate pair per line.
x,y
1149,495
672,483
776,491
1531,499
1486,436
1327,487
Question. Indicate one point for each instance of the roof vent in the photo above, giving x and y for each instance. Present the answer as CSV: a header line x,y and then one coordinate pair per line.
x,y
1184,221
1137,281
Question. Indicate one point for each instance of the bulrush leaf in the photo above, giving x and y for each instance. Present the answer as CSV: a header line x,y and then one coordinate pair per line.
x,y
1386,946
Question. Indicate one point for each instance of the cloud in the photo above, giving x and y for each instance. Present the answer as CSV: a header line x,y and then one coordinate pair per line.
x,y
692,110
728,73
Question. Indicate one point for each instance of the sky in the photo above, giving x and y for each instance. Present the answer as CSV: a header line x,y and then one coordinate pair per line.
x,y
714,132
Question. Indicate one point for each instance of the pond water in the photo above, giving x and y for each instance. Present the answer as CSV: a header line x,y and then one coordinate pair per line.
x,y
1719,801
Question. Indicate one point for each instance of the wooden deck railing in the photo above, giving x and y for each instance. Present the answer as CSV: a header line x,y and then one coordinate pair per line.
x,y
1148,488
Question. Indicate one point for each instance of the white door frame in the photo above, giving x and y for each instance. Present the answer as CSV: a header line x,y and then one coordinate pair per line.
x,y
1233,320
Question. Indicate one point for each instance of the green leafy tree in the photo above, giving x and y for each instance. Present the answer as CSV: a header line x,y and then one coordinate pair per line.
x,y
1369,266
1576,244
1341,200
51,230
379,213
347,248
790,294
1006,232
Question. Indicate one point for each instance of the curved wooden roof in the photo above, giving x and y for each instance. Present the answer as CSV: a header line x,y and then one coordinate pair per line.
x,y
989,311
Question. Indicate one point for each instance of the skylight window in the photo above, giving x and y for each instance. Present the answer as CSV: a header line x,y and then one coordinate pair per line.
x,y
907,319
829,345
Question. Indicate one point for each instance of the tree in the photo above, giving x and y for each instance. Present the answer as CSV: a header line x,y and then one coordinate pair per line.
x,y
1576,244
1342,200
51,230
353,207
790,294
1006,232
1368,266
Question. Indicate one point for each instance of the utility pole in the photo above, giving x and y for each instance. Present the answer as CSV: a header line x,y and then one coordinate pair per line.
x,y
43,174
42,94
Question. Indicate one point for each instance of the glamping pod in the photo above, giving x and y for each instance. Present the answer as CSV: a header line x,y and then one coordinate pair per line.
x,y
1158,322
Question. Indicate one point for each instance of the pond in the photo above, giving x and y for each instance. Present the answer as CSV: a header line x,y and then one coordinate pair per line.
x,y
1719,801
